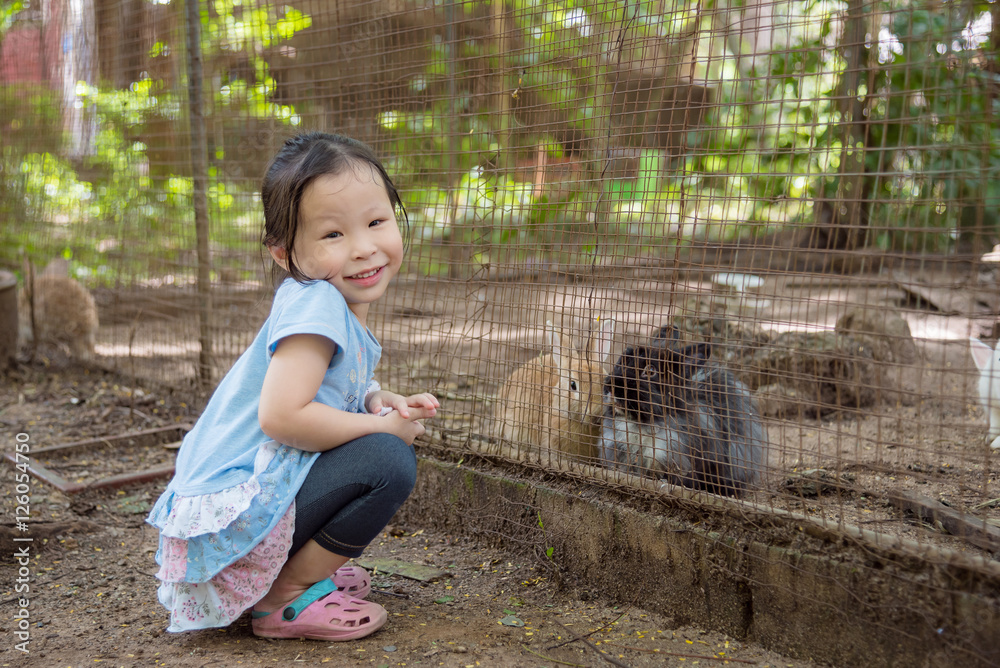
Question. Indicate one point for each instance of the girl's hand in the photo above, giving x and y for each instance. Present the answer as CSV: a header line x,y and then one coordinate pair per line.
x,y
428,403
404,412
407,428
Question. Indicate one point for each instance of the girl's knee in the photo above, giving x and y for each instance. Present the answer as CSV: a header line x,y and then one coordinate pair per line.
x,y
405,465
396,461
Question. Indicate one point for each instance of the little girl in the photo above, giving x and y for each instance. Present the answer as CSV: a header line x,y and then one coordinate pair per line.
x,y
300,459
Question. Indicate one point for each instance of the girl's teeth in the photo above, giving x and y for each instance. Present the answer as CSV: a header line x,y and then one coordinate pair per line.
x,y
367,274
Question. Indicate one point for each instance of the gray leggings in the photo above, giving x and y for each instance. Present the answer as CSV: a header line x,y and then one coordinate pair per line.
x,y
351,493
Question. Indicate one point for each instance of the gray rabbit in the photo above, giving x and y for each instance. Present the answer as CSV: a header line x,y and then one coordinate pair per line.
x,y
671,412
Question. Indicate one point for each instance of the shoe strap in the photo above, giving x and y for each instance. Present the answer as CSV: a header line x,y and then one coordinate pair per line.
x,y
309,596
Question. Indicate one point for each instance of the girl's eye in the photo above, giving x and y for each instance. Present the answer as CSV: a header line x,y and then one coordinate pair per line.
x,y
374,223
333,235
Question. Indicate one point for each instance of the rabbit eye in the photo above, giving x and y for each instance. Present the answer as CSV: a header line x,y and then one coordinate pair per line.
x,y
572,385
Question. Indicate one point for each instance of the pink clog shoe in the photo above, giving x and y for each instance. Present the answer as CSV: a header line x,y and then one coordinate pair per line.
x,y
353,581
321,613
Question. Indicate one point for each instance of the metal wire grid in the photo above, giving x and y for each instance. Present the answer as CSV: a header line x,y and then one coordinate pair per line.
x,y
754,174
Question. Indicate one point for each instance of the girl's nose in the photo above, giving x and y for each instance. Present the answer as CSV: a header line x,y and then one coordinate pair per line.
x,y
365,248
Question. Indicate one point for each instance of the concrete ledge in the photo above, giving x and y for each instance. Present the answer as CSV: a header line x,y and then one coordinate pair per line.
x,y
846,602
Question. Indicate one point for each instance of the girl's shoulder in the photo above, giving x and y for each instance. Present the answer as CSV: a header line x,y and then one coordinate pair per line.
x,y
309,308
319,295
291,288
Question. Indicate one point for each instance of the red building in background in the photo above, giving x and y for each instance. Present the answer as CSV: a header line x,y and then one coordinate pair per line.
x,y
52,43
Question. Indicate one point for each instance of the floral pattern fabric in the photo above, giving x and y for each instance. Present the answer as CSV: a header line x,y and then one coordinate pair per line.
x,y
219,553
234,589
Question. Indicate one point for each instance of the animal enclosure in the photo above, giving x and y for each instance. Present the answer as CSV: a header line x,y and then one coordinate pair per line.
x,y
726,255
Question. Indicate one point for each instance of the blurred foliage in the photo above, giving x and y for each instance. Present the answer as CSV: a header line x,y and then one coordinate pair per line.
x,y
935,141
767,143
249,31
754,158
30,124
9,10
771,143
124,209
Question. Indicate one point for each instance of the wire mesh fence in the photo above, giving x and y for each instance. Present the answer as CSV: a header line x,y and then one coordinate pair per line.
x,y
728,247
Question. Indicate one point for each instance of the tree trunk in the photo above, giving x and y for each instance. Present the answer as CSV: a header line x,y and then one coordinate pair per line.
x,y
842,219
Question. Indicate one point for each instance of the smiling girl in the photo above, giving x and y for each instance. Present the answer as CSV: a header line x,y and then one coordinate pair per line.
x,y
299,459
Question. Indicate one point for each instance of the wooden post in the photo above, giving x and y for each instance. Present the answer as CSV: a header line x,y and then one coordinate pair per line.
x,y
199,172
8,319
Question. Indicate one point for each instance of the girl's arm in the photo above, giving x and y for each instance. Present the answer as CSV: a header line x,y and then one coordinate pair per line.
x,y
289,414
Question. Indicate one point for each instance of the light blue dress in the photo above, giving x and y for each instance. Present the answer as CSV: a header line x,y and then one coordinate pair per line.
x,y
234,487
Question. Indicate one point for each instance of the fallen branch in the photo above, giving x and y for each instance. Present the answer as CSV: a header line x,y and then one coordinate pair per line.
x,y
586,635
976,531
386,592
992,503
610,659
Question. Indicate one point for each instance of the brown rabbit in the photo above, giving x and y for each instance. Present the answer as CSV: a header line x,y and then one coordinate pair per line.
x,y
65,313
555,400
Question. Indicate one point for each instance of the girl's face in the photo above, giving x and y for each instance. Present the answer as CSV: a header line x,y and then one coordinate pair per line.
x,y
347,236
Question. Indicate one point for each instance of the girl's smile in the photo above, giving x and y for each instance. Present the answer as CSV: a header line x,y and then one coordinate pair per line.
x,y
348,236
367,274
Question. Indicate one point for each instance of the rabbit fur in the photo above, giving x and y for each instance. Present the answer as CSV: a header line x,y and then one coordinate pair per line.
x,y
672,413
65,313
554,401
987,360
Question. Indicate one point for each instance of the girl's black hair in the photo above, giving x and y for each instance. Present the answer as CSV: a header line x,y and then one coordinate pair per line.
x,y
300,161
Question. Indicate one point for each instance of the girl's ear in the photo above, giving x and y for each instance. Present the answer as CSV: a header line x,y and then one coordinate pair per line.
x,y
280,256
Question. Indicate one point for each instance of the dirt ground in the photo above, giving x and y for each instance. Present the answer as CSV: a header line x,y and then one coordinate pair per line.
x,y
91,588
92,592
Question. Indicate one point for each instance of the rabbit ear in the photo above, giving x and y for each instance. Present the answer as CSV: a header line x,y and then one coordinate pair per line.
x,y
981,354
554,344
599,349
